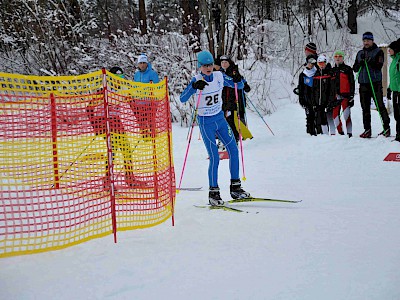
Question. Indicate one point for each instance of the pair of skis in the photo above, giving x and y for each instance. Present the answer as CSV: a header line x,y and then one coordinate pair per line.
x,y
228,207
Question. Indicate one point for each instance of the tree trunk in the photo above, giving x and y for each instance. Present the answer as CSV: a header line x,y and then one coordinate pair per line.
x,y
142,17
335,14
352,17
190,23
240,29
208,25
221,48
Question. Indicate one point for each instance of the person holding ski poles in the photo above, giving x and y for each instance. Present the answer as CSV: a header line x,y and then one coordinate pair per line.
x,y
230,104
369,62
344,86
208,86
394,86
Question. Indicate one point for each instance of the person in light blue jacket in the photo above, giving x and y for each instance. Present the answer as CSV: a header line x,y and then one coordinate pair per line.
x,y
145,74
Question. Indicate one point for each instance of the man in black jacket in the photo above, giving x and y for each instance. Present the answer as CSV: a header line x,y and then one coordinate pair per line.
x,y
369,62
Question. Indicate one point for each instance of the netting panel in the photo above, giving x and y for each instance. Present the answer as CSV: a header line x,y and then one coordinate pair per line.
x,y
81,157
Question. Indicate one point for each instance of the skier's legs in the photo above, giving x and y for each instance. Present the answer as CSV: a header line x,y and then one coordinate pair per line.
x,y
396,110
365,99
208,132
336,119
226,136
331,123
347,115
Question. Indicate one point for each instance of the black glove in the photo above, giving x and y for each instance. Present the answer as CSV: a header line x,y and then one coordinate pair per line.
x,y
246,87
199,84
351,101
389,94
236,77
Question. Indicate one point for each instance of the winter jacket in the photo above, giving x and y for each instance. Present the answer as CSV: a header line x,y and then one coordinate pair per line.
x,y
374,58
394,73
228,93
344,80
305,87
147,75
323,90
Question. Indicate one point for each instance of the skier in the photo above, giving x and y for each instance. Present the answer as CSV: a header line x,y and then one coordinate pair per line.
x,y
143,111
369,62
118,137
344,87
208,85
230,104
304,92
322,94
394,86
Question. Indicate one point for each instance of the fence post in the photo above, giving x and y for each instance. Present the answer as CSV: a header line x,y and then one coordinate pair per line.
x,y
54,139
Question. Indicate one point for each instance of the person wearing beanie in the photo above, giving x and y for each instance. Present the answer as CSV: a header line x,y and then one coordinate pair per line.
x,y
368,64
322,94
145,72
208,86
310,49
117,71
230,103
304,89
394,85
344,87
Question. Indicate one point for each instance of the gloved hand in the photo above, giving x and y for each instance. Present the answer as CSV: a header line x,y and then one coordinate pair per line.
x,y
389,94
351,101
199,84
296,90
236,77
246,87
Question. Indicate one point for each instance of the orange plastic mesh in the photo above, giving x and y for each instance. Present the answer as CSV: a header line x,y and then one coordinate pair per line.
x,y
81,157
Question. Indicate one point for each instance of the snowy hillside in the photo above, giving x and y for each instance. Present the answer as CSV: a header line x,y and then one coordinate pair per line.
x,y
341,242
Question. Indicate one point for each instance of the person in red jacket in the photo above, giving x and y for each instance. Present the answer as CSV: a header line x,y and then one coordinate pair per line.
x,y
344,87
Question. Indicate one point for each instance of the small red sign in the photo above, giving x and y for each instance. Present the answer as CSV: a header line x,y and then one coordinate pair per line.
x,y
392,157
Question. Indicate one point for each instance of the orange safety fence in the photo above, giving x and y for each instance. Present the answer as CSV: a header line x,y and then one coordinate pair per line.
x,y
81,157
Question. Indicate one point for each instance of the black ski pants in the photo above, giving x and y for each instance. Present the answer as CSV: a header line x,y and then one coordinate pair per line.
x,y
396,111
366,95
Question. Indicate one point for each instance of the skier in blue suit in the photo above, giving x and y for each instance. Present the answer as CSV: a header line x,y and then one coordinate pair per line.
x,y
212,123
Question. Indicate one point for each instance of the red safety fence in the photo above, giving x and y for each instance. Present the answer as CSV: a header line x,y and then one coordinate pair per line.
x,y
81,157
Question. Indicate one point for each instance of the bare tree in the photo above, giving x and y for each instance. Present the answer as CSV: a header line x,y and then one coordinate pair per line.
x,y
352,16
142,17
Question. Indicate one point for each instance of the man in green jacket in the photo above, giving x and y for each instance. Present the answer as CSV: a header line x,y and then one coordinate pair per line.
x,y
394,86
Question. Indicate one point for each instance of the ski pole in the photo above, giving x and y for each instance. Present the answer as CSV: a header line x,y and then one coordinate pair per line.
x,y
262,118
190,138
240,133
373,92
71,164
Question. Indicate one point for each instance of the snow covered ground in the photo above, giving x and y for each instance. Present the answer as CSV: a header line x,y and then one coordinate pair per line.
x,y
341,242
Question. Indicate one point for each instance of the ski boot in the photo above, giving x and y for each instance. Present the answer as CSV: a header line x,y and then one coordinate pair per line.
x,y
366,134
385,133
236,190
214,197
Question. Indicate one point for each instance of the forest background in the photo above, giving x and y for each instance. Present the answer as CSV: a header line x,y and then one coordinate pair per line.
x,y
265,37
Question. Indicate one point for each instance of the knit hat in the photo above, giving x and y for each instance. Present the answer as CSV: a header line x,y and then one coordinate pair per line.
x,y
311,47
339,52
321,58
395,46
368,36
204,58
116,70
142,58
